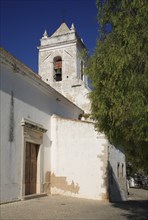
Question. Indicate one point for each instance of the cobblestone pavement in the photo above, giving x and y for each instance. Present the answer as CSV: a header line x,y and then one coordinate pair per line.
x,y
61,207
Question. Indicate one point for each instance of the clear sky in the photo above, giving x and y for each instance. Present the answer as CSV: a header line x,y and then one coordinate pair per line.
x,y
23,23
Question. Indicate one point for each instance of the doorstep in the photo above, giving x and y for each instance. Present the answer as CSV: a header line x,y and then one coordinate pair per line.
x,y
33,196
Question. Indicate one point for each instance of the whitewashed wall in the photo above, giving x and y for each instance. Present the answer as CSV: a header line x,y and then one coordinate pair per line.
x,y
79,159
34,100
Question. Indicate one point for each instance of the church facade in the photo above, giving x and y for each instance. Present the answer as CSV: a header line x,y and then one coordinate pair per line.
x,y
45,146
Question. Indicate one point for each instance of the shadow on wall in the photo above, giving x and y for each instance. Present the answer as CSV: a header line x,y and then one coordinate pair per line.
x,y
117,187
59,182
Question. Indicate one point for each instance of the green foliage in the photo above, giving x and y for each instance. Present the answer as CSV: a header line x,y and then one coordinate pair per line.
x,y
119,73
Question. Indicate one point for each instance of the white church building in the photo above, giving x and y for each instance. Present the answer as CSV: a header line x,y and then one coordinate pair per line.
x,y
46,147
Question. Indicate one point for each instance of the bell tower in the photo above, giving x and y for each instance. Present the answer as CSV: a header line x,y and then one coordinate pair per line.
x,y
62,66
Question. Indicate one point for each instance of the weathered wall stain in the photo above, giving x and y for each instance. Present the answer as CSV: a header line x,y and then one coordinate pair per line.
x,y
104,158
104,197
47,183
60,182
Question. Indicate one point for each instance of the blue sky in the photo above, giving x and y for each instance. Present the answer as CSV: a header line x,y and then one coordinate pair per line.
x,y
23,23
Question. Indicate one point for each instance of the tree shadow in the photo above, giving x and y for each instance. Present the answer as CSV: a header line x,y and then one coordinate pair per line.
x,y
133,209
136,209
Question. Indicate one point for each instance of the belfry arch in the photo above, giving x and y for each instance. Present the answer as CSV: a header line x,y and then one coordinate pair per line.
x,y
57,68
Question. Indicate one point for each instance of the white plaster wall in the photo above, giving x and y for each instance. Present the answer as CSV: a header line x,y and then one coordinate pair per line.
x,y
76,91
78,159
31,101
117,178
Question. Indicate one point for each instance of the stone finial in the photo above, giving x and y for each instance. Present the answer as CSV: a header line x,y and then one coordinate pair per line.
x,y
82,40
45,35
72,27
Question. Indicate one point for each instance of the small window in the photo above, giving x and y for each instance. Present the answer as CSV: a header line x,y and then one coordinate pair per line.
x,y
118,169
111,176
122,170
57,65
82,70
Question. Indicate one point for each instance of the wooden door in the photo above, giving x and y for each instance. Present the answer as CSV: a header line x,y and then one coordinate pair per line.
x,y
31,168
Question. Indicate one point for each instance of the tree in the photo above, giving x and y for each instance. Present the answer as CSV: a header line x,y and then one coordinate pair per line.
x,y
118,70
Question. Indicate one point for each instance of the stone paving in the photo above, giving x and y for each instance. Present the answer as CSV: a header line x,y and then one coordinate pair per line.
x,y
61,207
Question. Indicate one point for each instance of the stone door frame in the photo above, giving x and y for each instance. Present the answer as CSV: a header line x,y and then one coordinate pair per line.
x,y
32,133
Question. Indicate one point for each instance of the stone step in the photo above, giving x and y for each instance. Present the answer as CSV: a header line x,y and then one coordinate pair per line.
x,y
33,196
